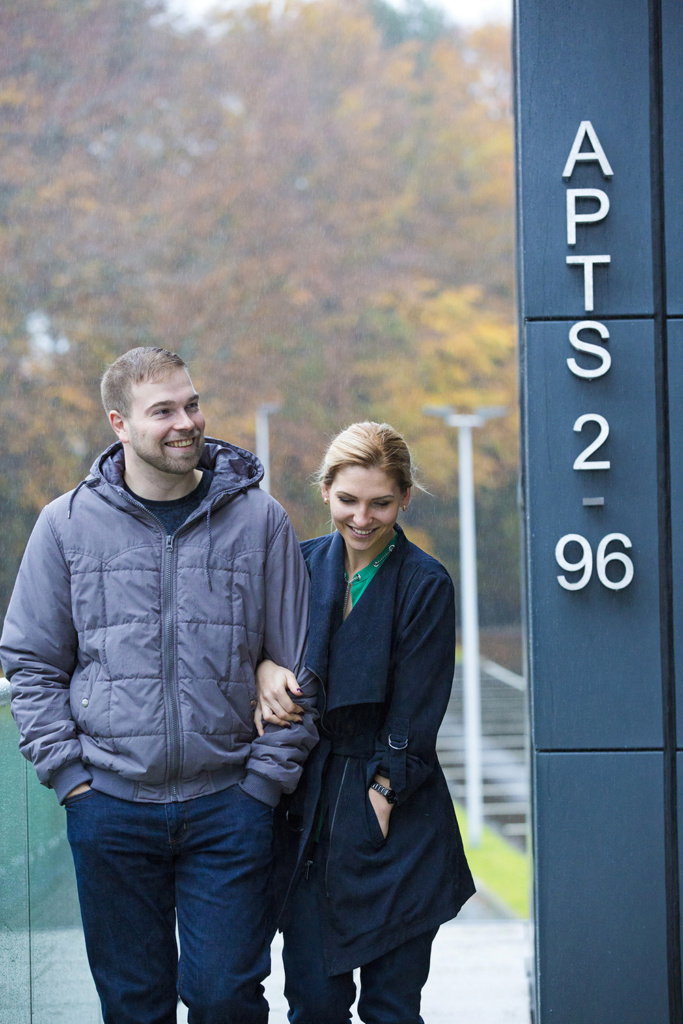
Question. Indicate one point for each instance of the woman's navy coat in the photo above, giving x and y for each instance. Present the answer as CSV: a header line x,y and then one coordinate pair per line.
x,y
386,672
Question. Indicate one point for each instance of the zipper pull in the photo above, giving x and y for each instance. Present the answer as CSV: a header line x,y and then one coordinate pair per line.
x,y
169,542
307,869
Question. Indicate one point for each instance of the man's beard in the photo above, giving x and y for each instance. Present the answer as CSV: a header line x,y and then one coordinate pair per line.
x,y
156,456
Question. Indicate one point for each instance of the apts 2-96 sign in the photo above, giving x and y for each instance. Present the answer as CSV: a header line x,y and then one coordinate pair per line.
x,y
579,333
590,458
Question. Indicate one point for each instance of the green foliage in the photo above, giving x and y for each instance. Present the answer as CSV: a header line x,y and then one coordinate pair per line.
x,y
499,867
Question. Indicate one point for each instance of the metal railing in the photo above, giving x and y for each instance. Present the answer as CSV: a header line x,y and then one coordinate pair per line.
x,y
505,770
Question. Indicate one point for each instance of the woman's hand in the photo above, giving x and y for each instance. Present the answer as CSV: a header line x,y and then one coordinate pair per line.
x,y
274,705
381,805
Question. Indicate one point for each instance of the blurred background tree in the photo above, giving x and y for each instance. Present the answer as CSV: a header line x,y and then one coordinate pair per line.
x,y
311,203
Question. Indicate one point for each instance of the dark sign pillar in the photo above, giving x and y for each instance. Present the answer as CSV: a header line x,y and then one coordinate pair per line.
x,y
600,192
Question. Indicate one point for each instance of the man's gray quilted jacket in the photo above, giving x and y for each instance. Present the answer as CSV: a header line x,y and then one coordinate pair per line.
x,y
131,655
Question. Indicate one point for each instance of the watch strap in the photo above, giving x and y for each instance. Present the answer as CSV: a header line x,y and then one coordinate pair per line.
x,y
388,794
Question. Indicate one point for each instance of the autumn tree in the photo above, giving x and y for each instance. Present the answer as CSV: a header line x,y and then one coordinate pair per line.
x,y
312,205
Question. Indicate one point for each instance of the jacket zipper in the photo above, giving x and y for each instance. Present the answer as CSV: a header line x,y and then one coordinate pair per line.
x,y
168,665
168,673
168,668
334,818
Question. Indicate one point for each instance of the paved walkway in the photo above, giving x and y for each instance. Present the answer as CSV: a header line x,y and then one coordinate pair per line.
x,y
478,976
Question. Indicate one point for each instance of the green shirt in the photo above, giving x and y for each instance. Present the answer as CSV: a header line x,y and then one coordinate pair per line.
x,y
361,579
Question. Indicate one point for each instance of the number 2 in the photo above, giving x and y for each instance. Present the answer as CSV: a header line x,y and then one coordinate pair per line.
x,y
581,461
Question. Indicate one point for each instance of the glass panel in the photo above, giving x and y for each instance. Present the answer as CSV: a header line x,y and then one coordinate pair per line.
x,y
44,974
15,983
62,988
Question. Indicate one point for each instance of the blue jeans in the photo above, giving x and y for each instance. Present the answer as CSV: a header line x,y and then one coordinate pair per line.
x,y
137,864
390,986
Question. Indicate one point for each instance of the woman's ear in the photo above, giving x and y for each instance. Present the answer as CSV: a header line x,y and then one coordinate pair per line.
x,y
405,498
325,493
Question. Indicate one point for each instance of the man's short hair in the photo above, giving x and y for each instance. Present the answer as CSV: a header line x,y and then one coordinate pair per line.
x,y
134,367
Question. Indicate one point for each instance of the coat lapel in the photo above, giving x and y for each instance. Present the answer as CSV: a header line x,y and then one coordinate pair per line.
x,y
326,566
352,657
360,650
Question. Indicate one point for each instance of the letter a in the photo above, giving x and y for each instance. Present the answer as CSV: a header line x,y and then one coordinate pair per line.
x,y
596,153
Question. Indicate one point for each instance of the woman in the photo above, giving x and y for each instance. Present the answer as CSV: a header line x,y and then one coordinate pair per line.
x,y
369,852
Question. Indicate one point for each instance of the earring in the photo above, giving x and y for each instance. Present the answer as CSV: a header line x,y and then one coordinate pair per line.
x,y
403,508
326,500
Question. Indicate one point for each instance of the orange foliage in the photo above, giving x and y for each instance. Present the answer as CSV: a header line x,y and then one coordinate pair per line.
x,y
306,213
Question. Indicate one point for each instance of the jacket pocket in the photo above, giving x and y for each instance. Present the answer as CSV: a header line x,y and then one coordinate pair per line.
x,y
80,693
240,696
377,837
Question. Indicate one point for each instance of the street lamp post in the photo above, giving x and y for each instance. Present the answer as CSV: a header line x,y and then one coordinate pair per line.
x,y
469,606
263,440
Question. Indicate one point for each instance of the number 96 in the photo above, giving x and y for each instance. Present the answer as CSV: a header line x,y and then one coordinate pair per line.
x,y
585,563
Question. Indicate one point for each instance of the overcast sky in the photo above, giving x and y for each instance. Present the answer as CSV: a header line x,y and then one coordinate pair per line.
x,y
466,12
474,12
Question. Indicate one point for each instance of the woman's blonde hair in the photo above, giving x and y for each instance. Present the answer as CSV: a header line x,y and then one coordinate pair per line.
x,y
371,446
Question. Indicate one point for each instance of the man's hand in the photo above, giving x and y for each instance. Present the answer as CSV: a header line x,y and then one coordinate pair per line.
x,y
274,705
82,787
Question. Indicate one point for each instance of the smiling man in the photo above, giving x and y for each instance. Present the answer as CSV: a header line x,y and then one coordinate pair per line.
x,y
145,600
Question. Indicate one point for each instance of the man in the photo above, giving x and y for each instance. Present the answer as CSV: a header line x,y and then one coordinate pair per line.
x,y
145,599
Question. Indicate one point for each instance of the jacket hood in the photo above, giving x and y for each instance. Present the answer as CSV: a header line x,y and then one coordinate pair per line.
x,y
234,468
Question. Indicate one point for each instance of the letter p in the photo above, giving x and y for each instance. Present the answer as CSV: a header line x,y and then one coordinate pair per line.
x,y
574,218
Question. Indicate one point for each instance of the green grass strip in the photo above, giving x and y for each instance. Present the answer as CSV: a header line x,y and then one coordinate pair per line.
x,y
503,869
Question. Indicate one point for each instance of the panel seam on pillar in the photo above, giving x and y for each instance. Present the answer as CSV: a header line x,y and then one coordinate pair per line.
x,y
664,511
569,318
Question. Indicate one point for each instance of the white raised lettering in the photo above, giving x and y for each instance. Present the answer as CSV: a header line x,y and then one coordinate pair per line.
x,y
588,263
574,218
597,153
592,349
583,461
584,564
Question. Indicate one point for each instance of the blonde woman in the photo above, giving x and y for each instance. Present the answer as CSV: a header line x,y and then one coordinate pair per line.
x,y
369,855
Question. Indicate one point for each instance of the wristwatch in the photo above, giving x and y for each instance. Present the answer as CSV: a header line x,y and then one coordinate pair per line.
x,y
388,794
